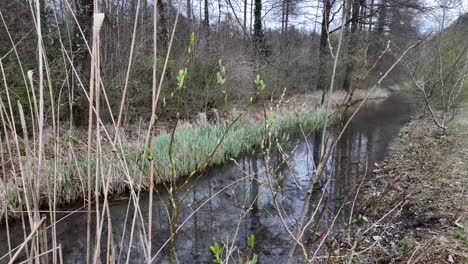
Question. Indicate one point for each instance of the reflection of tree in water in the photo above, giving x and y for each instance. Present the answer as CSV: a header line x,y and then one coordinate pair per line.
x,y
344,170
316,143
197,230
203,226
255,193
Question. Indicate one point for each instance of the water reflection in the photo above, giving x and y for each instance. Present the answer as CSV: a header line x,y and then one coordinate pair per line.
x,y
247,207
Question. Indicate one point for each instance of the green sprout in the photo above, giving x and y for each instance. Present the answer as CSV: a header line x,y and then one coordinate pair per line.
x,y
251,241
217,252
181,78
260,84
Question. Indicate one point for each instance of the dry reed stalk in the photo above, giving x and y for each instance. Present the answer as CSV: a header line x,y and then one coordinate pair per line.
x,y
98,19
155,97
4,120
31,235
40,255
89,155
9,120
5,205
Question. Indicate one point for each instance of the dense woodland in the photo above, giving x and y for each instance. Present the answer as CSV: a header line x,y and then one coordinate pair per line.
x,y
289,43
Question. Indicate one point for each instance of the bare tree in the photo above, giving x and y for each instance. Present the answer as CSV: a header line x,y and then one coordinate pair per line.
x,y
439,69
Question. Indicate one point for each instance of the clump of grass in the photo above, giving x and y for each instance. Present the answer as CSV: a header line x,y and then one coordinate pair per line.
x,y
193,143
461,235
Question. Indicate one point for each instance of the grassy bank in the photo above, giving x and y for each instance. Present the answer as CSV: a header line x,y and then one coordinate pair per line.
x,y
192,144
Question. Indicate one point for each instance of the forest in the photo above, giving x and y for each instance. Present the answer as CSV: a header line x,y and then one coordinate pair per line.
x,y
233,131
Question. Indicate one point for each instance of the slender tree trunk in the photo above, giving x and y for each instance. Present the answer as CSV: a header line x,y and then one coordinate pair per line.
x,y
144,10
371,15
206,21
283,7
189,14
382,18
352,45
220,7
286,19
362,14
324,51
251,15
163,22
245,16
258,30
200,11
82,57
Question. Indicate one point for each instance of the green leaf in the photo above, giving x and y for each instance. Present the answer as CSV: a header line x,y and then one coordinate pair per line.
x,y
217,252
220,79
148,155
221,75
260,84
280,179
257,81
253,260
181,78
192,39
251,240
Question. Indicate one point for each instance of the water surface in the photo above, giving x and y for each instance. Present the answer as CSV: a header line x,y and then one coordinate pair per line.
x,y
247,206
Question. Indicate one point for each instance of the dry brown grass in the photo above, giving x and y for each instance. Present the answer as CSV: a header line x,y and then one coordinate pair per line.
x,y
311,101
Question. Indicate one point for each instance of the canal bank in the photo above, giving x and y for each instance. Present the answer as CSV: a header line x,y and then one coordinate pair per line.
x,y
415,208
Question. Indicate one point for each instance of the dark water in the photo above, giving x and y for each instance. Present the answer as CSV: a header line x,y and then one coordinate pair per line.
x,y
247,207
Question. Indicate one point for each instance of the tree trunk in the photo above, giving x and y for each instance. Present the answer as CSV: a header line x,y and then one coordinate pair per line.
x,y
251,15
382,17
283,5
206,21
258,31
324,51
371,15
245,17
352,45
220,7
82,58
189,14
362,14
164,26
286,19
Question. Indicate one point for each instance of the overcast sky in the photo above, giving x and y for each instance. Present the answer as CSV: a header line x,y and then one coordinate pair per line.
x,y
308,16
432,20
